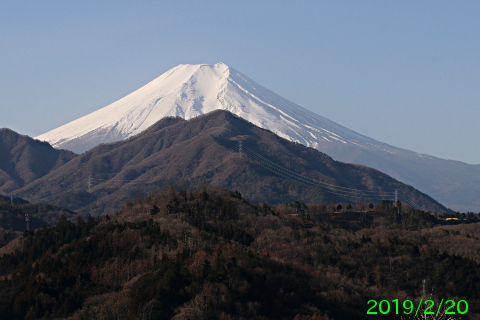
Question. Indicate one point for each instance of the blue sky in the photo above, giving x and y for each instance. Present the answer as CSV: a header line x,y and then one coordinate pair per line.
x,y
403,72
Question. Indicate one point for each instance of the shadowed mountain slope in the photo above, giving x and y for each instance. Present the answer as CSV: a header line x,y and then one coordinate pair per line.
x,y
23,160
218,148
188,91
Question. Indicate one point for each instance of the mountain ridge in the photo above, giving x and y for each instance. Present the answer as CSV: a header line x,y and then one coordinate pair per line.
x,y
190,90
205,149
24,159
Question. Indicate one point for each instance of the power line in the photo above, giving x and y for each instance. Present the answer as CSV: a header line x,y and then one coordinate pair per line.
x,y
354,194
327,185
412,203
351,193
334,189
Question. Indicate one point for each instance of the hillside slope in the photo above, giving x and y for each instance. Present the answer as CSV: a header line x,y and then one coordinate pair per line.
x,y
24,159
206,149
210,254
188,91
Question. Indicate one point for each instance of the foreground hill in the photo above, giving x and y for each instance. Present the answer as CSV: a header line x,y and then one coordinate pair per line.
x,y
188,91
220,149
210,254
23,160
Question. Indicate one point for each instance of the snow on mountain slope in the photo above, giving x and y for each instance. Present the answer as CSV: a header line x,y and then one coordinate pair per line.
x,y
191,90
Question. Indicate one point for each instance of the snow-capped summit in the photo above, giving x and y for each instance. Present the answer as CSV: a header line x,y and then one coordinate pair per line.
x,y
191,90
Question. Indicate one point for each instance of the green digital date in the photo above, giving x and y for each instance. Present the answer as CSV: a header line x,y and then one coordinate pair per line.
x,y
407,307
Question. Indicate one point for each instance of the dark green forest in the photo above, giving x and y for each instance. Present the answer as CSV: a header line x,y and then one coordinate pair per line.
x,y
207,253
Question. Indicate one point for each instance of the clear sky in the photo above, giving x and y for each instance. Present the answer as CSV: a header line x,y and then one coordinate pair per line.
x,y
403,72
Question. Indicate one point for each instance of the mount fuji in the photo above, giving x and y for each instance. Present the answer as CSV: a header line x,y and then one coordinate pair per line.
x,y
188,91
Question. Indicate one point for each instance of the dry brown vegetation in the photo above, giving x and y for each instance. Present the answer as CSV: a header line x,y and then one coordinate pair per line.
x,y
205,150
207,253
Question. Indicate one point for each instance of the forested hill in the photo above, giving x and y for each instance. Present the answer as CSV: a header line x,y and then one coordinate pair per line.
x,y
210,254
221,149
24,159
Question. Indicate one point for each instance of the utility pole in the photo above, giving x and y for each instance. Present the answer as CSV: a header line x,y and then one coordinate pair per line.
x,y
396,195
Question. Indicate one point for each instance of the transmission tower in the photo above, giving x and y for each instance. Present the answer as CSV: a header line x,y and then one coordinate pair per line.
x,y
27,219
89,184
